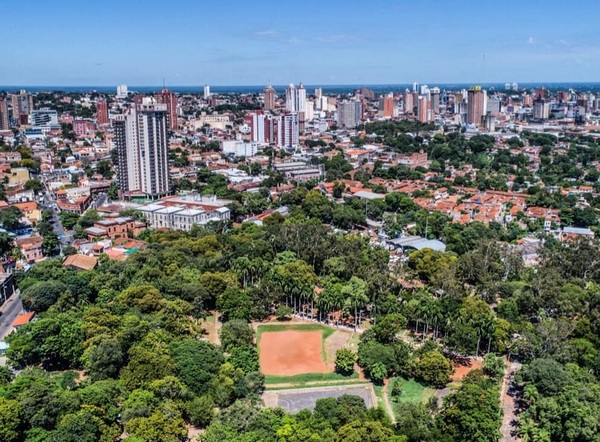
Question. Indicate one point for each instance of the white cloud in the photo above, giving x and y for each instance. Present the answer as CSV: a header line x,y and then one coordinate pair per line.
x,y
267,33
531,41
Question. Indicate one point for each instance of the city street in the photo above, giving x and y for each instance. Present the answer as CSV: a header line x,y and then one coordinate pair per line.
x,y
10,310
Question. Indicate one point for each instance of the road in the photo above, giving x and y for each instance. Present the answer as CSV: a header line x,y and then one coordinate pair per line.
x,y
10,310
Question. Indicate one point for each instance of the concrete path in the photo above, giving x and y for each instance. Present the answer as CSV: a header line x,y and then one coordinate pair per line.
x,y
508,404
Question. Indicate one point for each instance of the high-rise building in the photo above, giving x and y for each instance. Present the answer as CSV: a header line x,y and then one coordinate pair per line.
x,y
170,99
269,98
295,98
102,112
367,93
142,149
122,91
434,96
22,105
318,92
424,110
409,104
541,109
260,125
4,121
206,91
386,106
349,113
415,88
288,131
475,105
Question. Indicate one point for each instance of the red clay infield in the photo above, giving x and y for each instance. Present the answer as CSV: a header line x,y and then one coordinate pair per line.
x,y
287,353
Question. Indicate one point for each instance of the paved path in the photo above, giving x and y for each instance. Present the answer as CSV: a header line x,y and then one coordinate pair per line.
x,y
508,404
294,400
386,401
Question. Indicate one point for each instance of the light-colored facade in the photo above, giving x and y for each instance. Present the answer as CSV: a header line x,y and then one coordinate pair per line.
x,y
348,114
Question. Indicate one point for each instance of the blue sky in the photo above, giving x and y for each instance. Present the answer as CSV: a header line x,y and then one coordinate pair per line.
x,y
252,42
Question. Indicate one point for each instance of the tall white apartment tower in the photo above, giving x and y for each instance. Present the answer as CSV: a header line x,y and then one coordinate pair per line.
x,y
143,150
290,98
206,91
295,98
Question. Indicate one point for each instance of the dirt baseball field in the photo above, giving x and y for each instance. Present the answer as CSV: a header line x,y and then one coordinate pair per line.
x,y
288,353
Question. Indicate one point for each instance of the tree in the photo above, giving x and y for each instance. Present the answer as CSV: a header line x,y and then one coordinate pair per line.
x,y
78,427
344,361
387,328
236,333
166,425
104,359
493,366
196,363
10,420
200,410
244,358
50,244
10,218
68,219
433,368
35,185
235,303
41,296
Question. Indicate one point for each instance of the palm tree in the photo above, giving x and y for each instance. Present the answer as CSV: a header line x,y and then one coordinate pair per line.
x,y
490,328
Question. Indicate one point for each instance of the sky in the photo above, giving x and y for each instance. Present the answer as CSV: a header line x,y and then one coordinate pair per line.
x,y
254,42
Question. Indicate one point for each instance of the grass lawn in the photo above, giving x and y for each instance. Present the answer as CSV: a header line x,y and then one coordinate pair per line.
x,y
308,377
412,392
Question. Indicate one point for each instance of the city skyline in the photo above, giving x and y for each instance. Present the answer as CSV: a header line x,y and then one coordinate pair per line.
x,y
334,43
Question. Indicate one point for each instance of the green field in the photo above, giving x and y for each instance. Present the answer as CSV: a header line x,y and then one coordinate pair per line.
x,y
308,377
412,392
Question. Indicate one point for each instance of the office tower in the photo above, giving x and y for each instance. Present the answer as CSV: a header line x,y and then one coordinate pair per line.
x,y
415,87
101,112
318,92
206,91
295,98
493,105
269,98
386,106
475,105
408,102
424,110
122,91
541,109
288,131
142,149
4,122
349,112
170,99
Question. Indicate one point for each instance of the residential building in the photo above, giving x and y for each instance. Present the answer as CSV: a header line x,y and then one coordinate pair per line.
x,y
434,93
295,98
206,91
288,131
239,148
80,127
269,98
22,104
386,106
349,114
170,99
424,110
4,120
102,112
142,148
122,91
